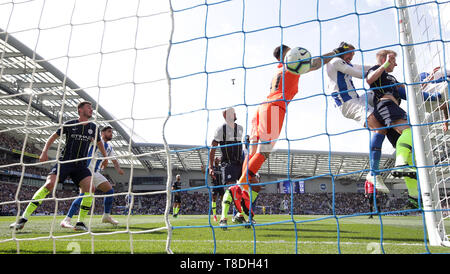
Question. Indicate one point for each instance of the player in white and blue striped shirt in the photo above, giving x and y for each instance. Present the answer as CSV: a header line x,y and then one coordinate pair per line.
x,y
435,84
99,181
340,71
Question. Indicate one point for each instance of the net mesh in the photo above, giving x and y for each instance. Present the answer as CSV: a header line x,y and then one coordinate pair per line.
x,y
147,56
430,32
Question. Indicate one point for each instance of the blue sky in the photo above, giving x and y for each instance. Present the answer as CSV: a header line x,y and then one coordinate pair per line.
x,y
313,114
117,53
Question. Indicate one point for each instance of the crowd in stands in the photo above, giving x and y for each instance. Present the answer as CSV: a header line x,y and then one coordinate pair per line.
x,y
35,170
192,203
324,204
303,204
8,193
9,142
198,203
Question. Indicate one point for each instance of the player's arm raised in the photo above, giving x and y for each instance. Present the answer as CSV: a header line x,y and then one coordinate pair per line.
x,y
316,63
373,76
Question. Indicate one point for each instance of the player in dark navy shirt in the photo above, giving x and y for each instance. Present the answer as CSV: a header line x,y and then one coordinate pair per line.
x,y
387,100
78,140
79,135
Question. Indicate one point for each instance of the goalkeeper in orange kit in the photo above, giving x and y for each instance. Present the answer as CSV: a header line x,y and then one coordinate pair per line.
x,y
268,122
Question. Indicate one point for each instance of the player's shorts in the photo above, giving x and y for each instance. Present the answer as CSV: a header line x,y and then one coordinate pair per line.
x,y
177,198
218,191
387,112
75,171
357,110
98,179
267,122
231,172
371,200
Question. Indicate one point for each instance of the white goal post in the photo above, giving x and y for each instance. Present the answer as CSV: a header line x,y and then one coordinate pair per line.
x,y
429,183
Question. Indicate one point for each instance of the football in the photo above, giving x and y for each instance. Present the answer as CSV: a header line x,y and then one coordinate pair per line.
x,y
298,60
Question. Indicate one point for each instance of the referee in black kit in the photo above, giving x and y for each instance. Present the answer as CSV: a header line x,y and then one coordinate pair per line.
x,y
176,196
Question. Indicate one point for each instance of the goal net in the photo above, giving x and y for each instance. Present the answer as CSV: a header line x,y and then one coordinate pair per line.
x,y
106,48
161,73
423,30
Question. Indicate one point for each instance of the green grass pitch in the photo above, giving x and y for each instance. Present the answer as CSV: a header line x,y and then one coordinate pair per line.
x,y
273,234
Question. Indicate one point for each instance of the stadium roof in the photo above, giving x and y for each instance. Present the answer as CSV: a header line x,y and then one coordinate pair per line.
x,y
32,92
